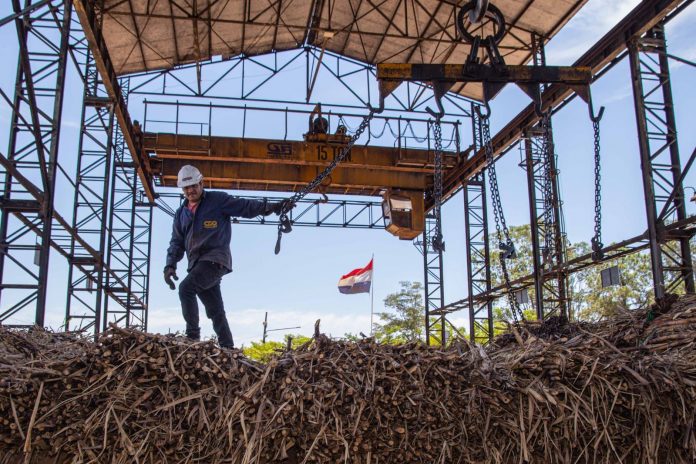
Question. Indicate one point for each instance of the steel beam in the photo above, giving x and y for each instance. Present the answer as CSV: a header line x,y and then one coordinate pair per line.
x,y
92,29
493,77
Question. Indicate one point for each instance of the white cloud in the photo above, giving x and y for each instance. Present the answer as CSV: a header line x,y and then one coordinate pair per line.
x,y
594,20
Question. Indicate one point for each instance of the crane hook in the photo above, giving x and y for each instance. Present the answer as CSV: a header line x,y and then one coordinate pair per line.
x,y
593,117
380,108
480,114
440,110
586,94
438,93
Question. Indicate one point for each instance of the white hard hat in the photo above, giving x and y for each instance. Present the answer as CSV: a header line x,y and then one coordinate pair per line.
x,y
188,175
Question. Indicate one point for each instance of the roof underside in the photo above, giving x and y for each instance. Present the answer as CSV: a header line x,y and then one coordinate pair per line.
x,y
160,34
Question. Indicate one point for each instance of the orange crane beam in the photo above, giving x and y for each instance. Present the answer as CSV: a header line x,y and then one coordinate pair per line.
x,y
283,165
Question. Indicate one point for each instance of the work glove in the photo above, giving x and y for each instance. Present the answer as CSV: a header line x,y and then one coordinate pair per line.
x,y
277,207
170,272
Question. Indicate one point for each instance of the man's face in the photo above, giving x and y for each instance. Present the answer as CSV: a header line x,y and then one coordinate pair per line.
x,y
193,193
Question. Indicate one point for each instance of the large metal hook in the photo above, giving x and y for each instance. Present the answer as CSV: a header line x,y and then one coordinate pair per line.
x,y
380,108
440,110
593,117
439,91
480,114
284,227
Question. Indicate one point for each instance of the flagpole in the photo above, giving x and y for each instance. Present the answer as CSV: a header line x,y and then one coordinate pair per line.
x,y
372,294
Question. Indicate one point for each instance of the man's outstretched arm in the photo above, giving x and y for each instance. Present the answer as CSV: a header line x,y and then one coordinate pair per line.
x,y
242,207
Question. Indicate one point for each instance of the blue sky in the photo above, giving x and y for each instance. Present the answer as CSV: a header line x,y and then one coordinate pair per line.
x,y
298,286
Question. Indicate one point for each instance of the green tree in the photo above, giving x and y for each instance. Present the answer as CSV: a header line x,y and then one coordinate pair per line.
x,y
407,321
588,300
263,352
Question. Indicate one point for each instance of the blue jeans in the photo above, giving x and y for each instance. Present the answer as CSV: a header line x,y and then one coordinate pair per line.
x,y
203,281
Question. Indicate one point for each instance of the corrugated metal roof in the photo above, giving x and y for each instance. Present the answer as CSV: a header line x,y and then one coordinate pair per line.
x,y
159,34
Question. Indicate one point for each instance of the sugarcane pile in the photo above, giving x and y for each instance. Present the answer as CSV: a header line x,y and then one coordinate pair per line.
x,y
623,390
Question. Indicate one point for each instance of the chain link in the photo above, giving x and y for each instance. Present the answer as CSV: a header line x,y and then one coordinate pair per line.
x,y
597,244
285,224
438,243
505,243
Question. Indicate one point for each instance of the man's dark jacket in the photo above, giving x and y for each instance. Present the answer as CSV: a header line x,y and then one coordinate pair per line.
x,y
206,235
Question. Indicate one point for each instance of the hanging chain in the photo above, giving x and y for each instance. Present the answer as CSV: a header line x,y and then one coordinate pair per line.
x,y
285,225
505,243
597,244
438,243
547,155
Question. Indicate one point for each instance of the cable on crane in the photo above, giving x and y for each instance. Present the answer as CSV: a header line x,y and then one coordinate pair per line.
x,y
597,245
285,224
505,243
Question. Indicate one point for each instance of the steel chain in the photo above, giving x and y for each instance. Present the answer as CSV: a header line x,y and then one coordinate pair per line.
x,y
285,224
438,243
547,154
507,246
597,244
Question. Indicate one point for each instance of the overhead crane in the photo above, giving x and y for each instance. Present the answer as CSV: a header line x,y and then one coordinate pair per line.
x,y
398,173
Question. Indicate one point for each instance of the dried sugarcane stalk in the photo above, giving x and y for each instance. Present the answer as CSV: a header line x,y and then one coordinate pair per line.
x,y
620,390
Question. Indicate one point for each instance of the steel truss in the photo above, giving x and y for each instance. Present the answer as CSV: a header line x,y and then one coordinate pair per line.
x,y
546,216
545,219
610,253
30,168
186,81
663,176
435,320
437,326
130,236
309,212
478,255
85,292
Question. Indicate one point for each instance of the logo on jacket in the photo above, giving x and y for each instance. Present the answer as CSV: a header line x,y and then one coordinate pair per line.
x,y
210,224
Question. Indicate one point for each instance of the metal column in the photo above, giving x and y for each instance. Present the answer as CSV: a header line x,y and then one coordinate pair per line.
x,y
478,258
29,170
85,293
435,319
129,239
546,215
659,154
548,252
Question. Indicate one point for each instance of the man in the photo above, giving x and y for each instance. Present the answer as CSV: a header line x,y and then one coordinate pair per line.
x,y
202,229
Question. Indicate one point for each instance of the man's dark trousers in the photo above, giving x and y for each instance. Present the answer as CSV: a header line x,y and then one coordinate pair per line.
x,y
203,280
